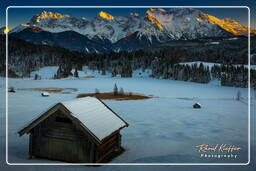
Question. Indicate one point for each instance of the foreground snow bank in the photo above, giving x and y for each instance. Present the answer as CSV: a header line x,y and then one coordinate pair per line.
x,y
162,129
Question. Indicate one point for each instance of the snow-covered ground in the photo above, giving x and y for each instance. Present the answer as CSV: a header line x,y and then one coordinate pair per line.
x,y
139,73
211,64
49,72
162,129
45,72
92,73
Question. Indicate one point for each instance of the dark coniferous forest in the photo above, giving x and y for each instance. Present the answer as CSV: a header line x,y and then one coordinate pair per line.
x,y
165,63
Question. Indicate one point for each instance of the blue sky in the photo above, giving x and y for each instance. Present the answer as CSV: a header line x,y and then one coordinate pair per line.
x,y
18,16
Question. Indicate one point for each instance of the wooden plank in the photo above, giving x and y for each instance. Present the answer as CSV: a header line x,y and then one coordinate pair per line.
x,y
30,145
38,120
109,141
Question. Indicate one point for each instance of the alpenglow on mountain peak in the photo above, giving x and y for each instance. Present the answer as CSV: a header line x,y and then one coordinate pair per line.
x,y
106,15
50,15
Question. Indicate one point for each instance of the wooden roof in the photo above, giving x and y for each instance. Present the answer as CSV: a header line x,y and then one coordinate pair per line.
x,y
94,116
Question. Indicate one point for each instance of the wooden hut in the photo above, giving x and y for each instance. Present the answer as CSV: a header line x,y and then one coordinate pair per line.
x,y
197,106
83,130
45,94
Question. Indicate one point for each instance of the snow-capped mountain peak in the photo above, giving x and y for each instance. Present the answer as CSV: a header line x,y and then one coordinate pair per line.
x,y
157,24
56,22
228,24
49,15
106,15
151,16
5,30
135,14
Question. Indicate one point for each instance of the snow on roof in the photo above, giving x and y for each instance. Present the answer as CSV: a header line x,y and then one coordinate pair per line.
x,y
45,94
95,115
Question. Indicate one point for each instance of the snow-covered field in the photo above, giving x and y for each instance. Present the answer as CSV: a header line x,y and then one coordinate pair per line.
x,y
164,129
45,72
211,64
50,71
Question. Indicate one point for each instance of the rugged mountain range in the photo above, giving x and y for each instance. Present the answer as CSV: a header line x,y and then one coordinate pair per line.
x,y
67,39
106,33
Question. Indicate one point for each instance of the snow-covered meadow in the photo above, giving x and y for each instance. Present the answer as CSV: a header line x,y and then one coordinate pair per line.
x,y
163,129
211,64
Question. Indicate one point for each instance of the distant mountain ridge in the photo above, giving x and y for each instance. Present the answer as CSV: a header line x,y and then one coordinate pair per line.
x,y
67,39
106,32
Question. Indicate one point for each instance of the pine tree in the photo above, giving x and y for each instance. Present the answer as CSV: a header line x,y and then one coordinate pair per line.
x,y
55,76
115,90
59,72
238,95
103,71
114,72
76,73
36,77
97,91
121,91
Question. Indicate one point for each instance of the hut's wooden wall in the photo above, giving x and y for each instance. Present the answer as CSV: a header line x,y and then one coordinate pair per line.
x,y
108,145
58,138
